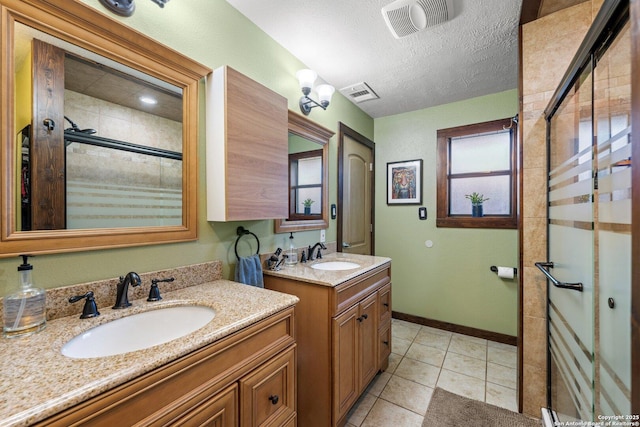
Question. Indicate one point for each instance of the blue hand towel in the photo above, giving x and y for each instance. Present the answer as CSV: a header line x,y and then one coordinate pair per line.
x,y
249,271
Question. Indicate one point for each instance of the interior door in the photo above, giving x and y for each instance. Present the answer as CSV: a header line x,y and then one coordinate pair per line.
x,y
355,232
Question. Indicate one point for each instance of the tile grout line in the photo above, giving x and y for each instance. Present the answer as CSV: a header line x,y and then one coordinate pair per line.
x,y
440,368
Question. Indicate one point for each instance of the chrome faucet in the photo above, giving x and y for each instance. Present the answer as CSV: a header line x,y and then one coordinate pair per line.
x,y
122,299
310,250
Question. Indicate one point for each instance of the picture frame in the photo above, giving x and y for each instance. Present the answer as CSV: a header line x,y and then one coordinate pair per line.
x,y
404,182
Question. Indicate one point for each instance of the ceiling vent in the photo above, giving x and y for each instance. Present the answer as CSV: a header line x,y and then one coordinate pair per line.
x,y
405,17
359,92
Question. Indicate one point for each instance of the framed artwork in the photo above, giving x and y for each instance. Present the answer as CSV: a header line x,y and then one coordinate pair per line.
x,y
404,183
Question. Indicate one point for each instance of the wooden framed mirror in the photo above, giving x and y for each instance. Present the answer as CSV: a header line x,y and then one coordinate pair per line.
x,y
81,165
309,143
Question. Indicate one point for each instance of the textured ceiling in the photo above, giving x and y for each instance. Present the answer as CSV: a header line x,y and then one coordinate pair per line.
x,y
347,41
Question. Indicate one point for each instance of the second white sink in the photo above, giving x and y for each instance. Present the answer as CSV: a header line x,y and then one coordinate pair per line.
x,y
138,331
335,265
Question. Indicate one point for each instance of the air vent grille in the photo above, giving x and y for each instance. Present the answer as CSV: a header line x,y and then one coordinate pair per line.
x,y
401,22
359,92
437,11
405,17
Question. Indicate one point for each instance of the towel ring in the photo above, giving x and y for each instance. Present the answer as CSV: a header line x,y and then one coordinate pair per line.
x,y
241,231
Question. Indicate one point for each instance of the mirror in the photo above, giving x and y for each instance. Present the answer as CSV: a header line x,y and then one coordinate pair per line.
x,y
85,164
308,176
121,161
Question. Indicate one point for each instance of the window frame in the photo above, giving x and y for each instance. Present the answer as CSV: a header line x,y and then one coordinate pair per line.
x,y
293,163
443,167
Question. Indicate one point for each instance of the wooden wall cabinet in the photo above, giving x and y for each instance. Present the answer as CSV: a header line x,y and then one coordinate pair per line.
x,y
343,338
247,379
247,149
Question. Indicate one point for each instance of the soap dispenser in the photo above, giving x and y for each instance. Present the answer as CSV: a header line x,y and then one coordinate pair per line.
x,y
292,252
24,310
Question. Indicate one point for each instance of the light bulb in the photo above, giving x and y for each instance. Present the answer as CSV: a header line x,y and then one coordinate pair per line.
x,y
306,78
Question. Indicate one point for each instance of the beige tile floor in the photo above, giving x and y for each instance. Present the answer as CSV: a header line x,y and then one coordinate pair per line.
x,y
423,358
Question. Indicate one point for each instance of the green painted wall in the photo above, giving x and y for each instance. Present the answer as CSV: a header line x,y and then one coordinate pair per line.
x,y
215,34
451,281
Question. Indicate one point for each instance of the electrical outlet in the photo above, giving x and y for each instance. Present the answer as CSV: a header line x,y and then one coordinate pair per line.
x,y
323,237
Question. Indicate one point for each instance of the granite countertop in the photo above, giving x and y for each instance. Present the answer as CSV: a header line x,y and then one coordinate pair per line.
x,y
37,381
304,272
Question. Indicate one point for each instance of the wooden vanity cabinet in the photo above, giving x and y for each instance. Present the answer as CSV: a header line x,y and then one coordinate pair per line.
x,y
340,333
247,379
247,149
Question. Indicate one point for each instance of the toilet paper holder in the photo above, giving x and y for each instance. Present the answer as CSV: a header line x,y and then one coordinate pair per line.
x,y
495,270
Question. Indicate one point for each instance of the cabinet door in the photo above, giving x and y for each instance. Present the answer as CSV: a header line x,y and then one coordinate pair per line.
x,y
218,411
384,297
267,395
368,340
345,361
247,149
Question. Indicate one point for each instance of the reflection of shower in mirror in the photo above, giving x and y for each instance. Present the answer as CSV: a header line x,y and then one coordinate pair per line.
x,y
74,127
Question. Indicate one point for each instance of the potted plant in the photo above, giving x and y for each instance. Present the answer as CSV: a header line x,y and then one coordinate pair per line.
x,y
307,206
476,203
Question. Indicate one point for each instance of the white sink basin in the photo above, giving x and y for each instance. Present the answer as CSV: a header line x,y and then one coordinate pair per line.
x,y
335,265
138,331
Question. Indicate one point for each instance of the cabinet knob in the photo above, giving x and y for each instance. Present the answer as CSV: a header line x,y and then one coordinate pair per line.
x,y
274,399
386,343
361,318
385,304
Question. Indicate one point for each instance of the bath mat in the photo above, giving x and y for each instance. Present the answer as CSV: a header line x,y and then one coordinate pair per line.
x,y
447,409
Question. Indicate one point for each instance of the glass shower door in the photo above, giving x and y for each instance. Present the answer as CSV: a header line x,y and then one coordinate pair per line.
x,y
612,112
589,238
571,255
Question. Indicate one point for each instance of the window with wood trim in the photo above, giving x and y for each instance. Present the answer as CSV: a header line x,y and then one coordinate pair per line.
x,y
478,158
305,185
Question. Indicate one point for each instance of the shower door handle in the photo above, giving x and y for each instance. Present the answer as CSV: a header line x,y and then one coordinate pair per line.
x,y
574,286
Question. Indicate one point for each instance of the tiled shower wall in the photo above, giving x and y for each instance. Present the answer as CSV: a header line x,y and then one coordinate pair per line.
x,y
548,45
116,188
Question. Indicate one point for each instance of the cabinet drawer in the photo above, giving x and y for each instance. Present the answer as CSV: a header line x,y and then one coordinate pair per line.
x,y
267,396
220,411
384,345
354,290
385,303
